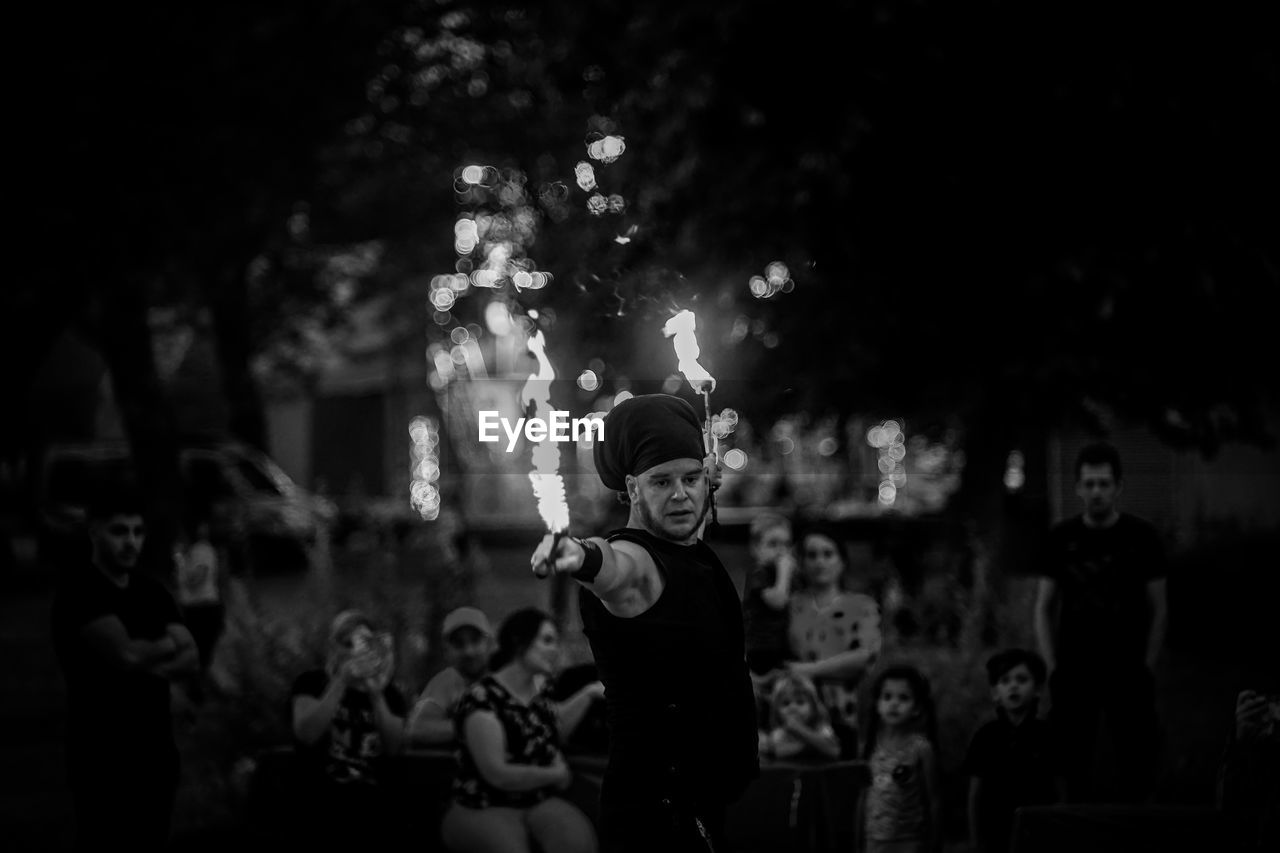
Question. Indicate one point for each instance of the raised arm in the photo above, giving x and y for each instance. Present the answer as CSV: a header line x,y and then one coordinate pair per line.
x,y
624,569
390,724
487,743
1046,592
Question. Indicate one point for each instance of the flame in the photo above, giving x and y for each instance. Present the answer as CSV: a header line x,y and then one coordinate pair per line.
x,y
548,485
682,326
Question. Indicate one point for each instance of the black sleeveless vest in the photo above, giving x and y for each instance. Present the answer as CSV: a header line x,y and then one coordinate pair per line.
x,y
679,701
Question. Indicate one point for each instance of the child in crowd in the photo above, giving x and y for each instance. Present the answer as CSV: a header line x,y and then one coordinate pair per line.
x,y
900,811
1013,760
799,727
765,602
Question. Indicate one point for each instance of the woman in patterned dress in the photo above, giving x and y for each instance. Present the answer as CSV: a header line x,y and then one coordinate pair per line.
x,y
835,634
510,767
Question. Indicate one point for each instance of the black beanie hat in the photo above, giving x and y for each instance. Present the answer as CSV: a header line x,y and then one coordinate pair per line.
x,y
645,431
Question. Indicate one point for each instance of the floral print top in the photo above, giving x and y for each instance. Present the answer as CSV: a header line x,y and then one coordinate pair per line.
x,y
531,738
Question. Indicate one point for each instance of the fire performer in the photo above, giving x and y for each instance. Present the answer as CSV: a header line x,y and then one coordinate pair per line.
x,y
664,623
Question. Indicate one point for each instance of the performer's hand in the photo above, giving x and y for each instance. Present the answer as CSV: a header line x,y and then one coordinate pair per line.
x,y
557,553
711,464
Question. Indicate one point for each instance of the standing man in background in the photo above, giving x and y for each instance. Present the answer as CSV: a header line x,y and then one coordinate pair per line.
x,y
1104,581
120,640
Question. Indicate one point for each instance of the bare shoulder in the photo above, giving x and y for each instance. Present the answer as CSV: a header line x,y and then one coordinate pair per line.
x,y
642,583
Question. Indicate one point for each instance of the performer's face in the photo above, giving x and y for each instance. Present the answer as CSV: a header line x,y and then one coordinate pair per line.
x,y
118,540
671,498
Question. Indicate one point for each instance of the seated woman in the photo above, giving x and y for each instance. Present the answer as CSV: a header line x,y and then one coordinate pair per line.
x,y
835,634
510,764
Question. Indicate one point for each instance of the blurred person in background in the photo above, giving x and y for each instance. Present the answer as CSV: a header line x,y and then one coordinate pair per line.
x,y
765,601
348,720
120,640
1013,760
468,640
1099,620
835,634
511,770
200,594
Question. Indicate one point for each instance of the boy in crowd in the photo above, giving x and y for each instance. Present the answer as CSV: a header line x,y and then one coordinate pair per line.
x,y
1012,760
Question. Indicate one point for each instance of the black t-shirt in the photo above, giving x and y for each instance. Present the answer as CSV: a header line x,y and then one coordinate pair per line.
x,y
112,711
351,750
679,699
1018,766
1101,576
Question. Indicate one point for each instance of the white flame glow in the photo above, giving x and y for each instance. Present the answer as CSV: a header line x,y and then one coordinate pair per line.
x,y
548,485
683,326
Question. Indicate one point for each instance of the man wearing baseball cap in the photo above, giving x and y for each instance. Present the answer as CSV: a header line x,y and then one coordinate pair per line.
x,y
665,626
468,640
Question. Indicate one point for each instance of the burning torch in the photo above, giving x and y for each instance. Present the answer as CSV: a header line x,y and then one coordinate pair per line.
x,y
548,484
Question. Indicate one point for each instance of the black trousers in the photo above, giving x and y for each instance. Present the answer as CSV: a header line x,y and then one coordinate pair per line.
x,y
1123,698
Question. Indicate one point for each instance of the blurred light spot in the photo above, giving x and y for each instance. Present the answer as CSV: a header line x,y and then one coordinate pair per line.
x,y
458,355
875,436
671,384
443,299
497,318
627,395
786,445
597,365
770,340
888,493
735,459
827,447
759,287
522,280
597,204
617,204
459,335
588,381
885,464
1015,476
463,265
741,326
442,318
585,174
473,174
897,453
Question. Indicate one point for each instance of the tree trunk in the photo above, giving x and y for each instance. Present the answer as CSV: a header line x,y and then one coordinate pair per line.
x,y
227,293
124,336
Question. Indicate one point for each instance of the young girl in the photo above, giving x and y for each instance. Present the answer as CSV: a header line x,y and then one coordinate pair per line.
x,y
900,809
798,723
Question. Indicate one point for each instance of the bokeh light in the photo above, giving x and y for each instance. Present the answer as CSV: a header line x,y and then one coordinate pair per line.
x,y
585,174
735,459
588,381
